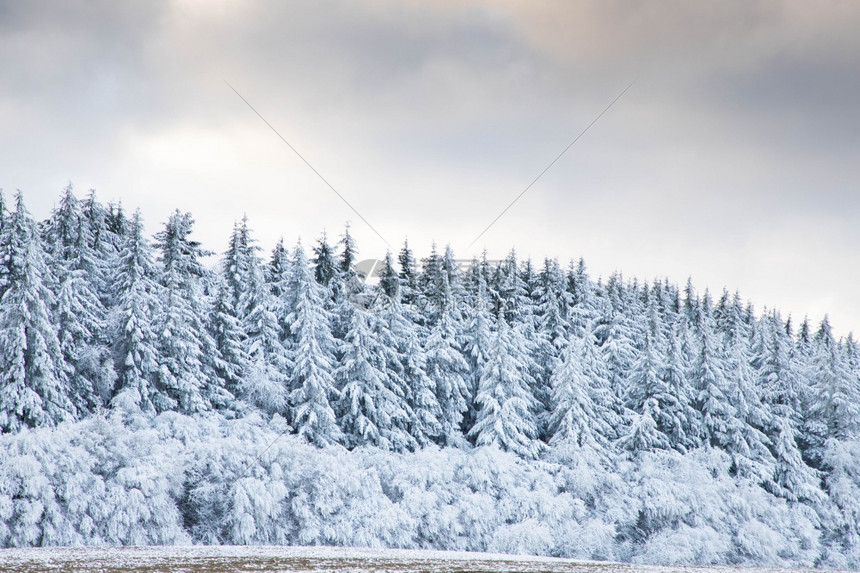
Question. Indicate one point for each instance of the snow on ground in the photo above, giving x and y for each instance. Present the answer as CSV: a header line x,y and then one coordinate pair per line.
x,y
213,559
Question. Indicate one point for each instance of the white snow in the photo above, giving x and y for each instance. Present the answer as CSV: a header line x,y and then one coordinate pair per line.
x,y
298,559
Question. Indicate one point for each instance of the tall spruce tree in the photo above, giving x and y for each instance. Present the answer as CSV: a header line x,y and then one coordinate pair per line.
x,y
573,418
782,394
617,345
506,408
408,274
136,342
278,275
679,420
448,370
649,397
389,282
420,390
266,382
477,347
230,360
434,287
33,384
744,394
103,247
372,408
186,346
312,354
326,264
60,232
835,410
81,323
278,270
236,264
80,314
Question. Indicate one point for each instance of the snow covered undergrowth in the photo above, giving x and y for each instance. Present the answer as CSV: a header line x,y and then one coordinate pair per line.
x,y
176,479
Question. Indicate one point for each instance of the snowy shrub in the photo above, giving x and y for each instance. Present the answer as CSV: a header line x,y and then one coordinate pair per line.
x,y
256,510
337,503
176,479
63,493
527,537
685,545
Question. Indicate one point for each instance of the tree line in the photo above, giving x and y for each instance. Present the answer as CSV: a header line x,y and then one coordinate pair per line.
x,y
95,315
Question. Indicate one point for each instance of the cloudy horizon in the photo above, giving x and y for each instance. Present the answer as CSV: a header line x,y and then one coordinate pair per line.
x,y
732,159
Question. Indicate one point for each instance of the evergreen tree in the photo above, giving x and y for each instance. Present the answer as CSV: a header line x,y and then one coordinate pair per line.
x,y
448,370
511,300
692,305
81,322
230,361
478,273
278,271
478,342
118,224
514,304
236,264
186,347
312,356
655,407
783,396
408,274
456,289
505,406
266,381
644,435
835,410
326,264
350,292
573,419
551,306
743,394
679,419
372,409
435,291
348,253
724,421
608,419
399,381
580,290
4,244
102,248
419,388
61,230
726,314
616,339
536,375
33,384
389,282
279,275
551,328
136,343
80,314
717,413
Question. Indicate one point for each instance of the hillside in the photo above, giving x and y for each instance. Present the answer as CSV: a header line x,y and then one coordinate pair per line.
x,y
513,406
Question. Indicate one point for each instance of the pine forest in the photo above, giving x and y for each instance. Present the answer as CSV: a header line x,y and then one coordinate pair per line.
x,y
154,392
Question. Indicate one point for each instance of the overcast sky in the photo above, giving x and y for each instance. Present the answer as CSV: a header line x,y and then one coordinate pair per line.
x,y
734,158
